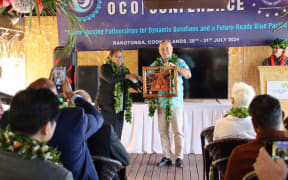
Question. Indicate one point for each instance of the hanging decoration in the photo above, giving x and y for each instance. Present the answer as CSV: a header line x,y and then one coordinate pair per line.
x,y
23,6
47,7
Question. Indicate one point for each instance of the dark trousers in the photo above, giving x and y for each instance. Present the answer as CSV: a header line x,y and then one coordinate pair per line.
x,y
118,124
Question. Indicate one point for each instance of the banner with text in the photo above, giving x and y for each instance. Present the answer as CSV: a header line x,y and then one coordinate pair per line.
x,y
126,24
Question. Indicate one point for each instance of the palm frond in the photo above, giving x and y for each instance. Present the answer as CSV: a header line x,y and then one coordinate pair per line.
x,y
38,15
284,14
281,25
2,10
50,7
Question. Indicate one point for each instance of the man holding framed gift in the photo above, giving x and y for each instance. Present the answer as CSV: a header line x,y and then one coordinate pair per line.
x,y
170,109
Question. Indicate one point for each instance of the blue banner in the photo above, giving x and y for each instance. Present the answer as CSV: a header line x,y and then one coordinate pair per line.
x,y
126,24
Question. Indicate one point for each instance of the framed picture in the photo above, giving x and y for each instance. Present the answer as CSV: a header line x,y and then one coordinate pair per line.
x,y
159,82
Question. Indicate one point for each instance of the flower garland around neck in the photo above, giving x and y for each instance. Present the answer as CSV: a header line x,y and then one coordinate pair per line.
x,y
238,112
118,91
153,101
282,62
27,148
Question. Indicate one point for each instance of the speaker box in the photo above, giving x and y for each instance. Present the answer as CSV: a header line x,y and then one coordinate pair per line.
x,y
87,79
69,62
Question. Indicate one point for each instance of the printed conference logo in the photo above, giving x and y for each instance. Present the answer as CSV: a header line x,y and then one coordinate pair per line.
x,y
272,2
85,9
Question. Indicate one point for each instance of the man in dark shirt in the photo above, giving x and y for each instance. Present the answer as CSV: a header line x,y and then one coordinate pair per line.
x,y
267,117
278,57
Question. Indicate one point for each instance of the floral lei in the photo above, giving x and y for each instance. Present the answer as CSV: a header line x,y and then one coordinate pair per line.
x,y
153,101
27,148
238,112
118,91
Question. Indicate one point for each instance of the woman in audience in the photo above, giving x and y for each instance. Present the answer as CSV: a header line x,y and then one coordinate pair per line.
x,y
237,122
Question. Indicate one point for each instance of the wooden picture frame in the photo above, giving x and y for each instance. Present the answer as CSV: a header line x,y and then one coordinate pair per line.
x,y
158,79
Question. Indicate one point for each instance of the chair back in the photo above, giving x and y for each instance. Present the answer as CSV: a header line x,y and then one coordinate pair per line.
x,y
107,168
206,135
250,176
221,149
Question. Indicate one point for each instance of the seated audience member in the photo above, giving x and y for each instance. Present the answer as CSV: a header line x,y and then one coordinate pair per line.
x,y
267,117
84,94
268,169
106,143
237,122
74,126
23,151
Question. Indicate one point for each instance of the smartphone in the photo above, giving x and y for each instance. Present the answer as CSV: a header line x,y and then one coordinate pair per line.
x,y
277,148
59,74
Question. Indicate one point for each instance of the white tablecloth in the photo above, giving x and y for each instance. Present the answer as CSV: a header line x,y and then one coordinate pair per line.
x,y
142,135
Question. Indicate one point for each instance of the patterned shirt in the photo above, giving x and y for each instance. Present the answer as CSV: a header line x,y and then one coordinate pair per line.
x,y
176,101
267,62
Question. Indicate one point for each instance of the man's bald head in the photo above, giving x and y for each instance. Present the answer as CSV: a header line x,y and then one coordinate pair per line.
x,y
43,83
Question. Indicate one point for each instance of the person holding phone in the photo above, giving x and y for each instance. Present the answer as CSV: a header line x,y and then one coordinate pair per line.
x,y
267,117
267,168
74,126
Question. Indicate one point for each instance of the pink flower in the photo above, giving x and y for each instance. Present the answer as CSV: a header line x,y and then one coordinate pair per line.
x,y
5,3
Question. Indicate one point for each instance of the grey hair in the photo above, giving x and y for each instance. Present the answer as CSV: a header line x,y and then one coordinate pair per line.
x,y
242,94
165,41
85,95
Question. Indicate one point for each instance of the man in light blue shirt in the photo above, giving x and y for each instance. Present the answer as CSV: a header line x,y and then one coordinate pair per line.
x,y
166,50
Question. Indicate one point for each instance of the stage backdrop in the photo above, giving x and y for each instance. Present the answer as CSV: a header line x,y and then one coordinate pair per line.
x,y
125,24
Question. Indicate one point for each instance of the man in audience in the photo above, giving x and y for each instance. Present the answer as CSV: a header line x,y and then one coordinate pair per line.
x,y
74,126
267,117
237,122
84,94
23,151
106,143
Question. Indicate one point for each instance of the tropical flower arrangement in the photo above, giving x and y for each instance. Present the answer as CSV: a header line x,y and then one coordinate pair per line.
x,y
47,7
27,148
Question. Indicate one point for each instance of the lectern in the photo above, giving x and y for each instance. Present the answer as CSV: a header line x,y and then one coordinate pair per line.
x,y
276,79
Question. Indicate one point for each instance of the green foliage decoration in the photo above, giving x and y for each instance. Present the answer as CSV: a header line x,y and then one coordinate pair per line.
x,y
118,91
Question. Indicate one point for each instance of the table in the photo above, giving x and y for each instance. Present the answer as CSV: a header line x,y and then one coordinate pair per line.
x,y
142,135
